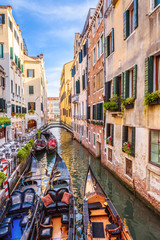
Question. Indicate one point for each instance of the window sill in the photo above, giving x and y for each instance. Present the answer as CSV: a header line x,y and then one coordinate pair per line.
x,y
129,178
154,10
130,35
110,55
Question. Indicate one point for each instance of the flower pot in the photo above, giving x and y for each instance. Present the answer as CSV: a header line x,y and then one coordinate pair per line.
x,y
129,106
157,102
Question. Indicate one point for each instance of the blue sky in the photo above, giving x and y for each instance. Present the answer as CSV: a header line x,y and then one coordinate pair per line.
x,y
48,27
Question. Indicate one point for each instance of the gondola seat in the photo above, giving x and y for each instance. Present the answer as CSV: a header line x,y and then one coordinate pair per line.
x,y
47,220
114,230
8,220
95,205
44,231
28,199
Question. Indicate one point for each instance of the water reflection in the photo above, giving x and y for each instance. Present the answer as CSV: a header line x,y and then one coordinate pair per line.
x,y
142,222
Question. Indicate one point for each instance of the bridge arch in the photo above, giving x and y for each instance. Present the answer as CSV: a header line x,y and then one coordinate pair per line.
x,y
59,124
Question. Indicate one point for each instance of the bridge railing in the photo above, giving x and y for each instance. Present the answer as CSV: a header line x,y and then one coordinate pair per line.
x,y
55,123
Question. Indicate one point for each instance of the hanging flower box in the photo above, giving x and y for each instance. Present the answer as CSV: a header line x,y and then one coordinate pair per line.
x,y
127,147
109,140
129,106
156,102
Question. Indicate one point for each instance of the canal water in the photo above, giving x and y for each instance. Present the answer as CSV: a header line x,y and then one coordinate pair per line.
x,y
142,222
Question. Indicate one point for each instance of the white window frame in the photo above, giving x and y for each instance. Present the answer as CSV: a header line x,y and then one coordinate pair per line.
x,y
94,137
89,64
94,56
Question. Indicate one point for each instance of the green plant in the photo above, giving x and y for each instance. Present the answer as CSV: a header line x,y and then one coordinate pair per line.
x,y
151,97
2,177
125,102
109,140
39,133
112,104
4,120
24,152
127,147
31,111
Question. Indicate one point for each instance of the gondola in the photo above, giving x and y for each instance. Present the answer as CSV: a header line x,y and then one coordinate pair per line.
x,y
52,144
18,216
57,218
40,144
100,218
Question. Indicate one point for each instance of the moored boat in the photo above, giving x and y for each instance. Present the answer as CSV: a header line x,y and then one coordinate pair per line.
x,y
52,144
40,144
100,218
57,219
18,216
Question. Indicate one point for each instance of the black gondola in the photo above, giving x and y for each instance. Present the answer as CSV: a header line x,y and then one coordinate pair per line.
x,y
100,218
18,217
40,144
52,144
57,220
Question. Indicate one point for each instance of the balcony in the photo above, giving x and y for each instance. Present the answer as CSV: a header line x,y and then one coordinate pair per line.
x,y
75,99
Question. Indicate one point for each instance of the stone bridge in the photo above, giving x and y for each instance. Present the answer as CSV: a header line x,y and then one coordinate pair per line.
x,y
59,124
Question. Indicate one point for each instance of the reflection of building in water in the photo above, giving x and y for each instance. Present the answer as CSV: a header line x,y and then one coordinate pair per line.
x,y
53,108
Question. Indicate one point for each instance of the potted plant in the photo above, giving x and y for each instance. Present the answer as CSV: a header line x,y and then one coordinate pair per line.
x,y
112,105
127,147
127,103
31,111
109,140
152,98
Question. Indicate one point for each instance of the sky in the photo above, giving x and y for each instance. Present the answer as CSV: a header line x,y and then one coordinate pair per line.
x,y
48,27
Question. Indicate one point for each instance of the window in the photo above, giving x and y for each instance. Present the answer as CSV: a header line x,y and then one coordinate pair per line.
x,y
130,19
94,112
129,135
110,134
99,111
3,82
101,44
129,83
80,56
11,86
94,83
129,167
110,154
108,91
19,90
94,56
31,89
89,64
88,112
11,53
86,132
94,139
99,80
156,3
109,43
31,106
2,133
77,87
1,50
94,29
16,89
98,50
155,146
157,73
30,73
88,88
2,18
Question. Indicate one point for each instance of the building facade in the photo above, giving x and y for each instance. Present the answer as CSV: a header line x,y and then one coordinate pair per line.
x,y
53,108
11,59
35,87
65,94
132,74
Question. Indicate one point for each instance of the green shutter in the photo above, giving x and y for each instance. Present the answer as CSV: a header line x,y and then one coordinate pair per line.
x,y
149,75
1,50
135,14
33,73
1,104
108,46
135,81
122,85
125,24
101,111
88,112
93,114
108,129
112,135
27,72
112,39
19,63
31,90
11,53
133,141
98,111
126,84
83,81
115,86
3,18
22,68
29,106
34,106
105,46
125,135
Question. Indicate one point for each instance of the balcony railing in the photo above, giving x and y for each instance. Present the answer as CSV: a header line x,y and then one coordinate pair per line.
x,y
75,99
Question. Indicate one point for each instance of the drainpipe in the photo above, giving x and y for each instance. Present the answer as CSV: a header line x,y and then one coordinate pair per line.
x,y
104,59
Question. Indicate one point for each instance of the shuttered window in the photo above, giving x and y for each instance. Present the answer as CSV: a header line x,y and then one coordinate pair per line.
x,y
99,80
126,85
84,49
1,104
73,71
3,82
116,86
107,91
31,89
88,112
13,108
129,136
94,112
125,24
157,2
100,111
1,50
30,73
41,106
77,87
31,106
109,43
80,56
129,83
83,81
11,53
2,18
19,63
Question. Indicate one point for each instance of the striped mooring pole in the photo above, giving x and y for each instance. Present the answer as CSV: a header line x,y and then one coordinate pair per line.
x,y
4,163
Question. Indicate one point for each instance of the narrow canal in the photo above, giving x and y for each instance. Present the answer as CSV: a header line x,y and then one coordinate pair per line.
x,y
142,222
